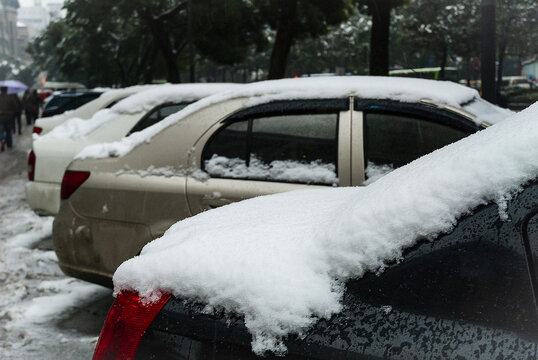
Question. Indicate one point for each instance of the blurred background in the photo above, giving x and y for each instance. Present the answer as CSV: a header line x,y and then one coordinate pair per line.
x,y
125,42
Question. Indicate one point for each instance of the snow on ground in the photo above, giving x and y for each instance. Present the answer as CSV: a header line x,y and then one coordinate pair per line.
x,y
43,314
281,260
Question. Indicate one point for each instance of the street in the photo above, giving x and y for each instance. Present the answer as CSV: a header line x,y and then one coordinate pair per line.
x,y
43,314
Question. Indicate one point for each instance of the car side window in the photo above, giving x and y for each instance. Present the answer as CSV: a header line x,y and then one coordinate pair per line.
x,y
394,140
157,115
299,148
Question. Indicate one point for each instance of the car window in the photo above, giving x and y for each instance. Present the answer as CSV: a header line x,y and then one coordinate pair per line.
x,y
157,115
393,140
298,148
171,109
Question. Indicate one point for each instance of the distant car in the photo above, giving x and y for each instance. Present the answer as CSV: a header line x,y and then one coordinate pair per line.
x,y
108,99
428,263
262,138
515,82
68,101
51,86
52,153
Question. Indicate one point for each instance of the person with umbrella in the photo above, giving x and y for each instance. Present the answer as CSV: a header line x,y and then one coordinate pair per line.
x,y
8,109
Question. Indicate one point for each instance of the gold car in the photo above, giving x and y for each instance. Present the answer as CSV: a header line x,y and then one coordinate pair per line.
x,y
260,139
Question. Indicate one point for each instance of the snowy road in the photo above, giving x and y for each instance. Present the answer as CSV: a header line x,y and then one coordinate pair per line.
x,y
43,314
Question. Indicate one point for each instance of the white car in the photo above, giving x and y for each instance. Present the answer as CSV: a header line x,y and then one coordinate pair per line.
x,y
52,153
106,100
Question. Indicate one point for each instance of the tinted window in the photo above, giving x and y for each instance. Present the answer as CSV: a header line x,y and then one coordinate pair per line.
x,y
291,148
157,115
397,140
300,138
230,142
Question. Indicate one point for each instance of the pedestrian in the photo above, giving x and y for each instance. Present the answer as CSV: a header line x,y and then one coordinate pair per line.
x,y
17,117
31,103
8,108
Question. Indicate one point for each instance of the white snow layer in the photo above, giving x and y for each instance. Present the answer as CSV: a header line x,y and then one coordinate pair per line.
x,y
143,101
314,172
394,88
281,261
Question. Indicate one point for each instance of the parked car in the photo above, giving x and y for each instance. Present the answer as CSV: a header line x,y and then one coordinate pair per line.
x,y
106,100
435,261
66,101
262,138
522,82
51,86
52,153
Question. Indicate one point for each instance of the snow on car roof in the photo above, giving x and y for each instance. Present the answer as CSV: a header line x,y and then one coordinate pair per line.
x,y
372,87
142,101
281,261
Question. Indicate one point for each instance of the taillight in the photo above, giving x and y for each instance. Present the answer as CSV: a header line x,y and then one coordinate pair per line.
x,y
71,182
37,130
31,166
126,323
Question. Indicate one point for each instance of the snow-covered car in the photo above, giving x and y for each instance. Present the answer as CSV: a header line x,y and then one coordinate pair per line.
x,y
262,138
52,153
436,260
106,100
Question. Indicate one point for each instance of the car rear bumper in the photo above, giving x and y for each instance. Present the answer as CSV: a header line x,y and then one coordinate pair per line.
x,y
92,249
44,198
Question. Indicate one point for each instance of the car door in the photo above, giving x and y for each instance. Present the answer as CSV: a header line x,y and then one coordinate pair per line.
x,y
388,136
273,148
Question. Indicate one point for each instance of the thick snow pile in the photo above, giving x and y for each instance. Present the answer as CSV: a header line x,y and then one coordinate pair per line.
x,y
394,88
281,261
314,172
140,102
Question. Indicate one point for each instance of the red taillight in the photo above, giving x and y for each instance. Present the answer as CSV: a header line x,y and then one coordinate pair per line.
x,y
125,325
31,166
37,130
71,182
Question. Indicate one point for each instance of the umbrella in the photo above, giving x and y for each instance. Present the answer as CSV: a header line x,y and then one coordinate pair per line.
x,y
13,86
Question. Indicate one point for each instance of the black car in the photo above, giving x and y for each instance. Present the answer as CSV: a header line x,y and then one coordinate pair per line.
x,y
68,101
470,294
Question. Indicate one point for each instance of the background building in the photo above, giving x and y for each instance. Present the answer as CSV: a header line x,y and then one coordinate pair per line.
x,y
8,27
23,38
36,17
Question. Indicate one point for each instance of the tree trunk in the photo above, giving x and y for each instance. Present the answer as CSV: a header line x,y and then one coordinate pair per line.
x,y
489,92
379,43
284,39
500,69
444,57
163,42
